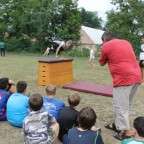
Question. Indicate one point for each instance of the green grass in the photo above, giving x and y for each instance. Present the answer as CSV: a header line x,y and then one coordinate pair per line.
x,y
25,66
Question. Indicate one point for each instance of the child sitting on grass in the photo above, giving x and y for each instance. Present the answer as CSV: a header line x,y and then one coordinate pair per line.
x,y
51,104
5,92
83,134
139,136
68,115
17,105
39,127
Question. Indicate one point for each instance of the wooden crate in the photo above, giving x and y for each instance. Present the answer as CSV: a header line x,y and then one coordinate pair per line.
x,y
57,71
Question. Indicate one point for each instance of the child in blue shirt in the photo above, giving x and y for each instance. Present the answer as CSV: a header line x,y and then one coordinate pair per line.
x,y
5,93
51,104
17,105
83,134
139,135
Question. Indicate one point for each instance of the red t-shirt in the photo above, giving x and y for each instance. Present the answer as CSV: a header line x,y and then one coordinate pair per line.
x,y
122,62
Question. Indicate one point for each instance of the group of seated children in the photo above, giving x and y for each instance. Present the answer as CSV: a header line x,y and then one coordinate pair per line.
x,y
45,118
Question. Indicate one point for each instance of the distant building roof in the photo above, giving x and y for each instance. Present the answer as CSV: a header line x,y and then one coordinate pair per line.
x,y
91,35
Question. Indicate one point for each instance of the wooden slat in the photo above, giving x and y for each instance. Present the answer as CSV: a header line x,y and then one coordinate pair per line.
x,y
58,73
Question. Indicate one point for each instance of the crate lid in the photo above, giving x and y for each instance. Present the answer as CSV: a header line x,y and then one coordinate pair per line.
x,y
54,59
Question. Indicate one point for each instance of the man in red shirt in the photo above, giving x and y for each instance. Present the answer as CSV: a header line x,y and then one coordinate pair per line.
x,y
126,75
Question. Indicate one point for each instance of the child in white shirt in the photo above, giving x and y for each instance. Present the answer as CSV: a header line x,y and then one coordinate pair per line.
x,y
92,56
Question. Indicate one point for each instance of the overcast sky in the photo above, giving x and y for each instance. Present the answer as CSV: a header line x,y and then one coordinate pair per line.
x,y
101,6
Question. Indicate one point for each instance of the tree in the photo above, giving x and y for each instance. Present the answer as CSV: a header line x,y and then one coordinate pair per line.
x,y
40,19
66,19
90,19
127,20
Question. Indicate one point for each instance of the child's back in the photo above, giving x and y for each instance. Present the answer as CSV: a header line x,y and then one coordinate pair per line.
x,y
51,104
68,115
132,141
36,128
17,109
83,133
67,119
4,95
17,105
76,136
38,124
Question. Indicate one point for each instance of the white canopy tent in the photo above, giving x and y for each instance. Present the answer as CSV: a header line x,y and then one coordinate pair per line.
x,y
91,36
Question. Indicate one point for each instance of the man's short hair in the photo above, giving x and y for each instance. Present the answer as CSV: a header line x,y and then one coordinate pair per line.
x,y
36,102
4,83
87,118
107,36
21,86
139,126
50,90
74,99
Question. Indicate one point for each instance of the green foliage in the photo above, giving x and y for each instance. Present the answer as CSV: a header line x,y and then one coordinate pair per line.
x,y
77,52
22,45
17,43
41,20
90,19
66,19
127,20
